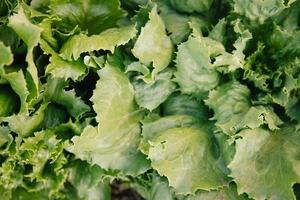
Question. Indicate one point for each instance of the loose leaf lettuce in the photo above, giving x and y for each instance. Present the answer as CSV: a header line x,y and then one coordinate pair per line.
x,y
175,99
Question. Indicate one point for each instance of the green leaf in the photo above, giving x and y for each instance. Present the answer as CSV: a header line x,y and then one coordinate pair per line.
x,y
180,104
171,142
15,79
195,73
160,189
138,67
240,43
152,186
6,9
153,45
88,181
18,84
40,5
225,193
35,167
105,97
152,127
4,193
55,91
48,43
236,59
258,10
98,148
185,157
106,40
254,71
30,34
288,17
176,24
117,135
6,57
286,95
218,32
54,116
24,124
5,137
191,6
233,110
151,95
63,69
26,195
8,36
8,101
93,16
291,48
266,164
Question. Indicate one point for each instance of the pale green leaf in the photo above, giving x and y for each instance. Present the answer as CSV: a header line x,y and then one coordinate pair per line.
x,y
176,24
25,125
240,43
235,60
64,69
225,193
219,30
153,45
151,95
185,157
267,164
6,57
30,34
260,10
195,73
138,67
118,134
180,104
48,43
5,137
233,110
106,40
18,84
153,127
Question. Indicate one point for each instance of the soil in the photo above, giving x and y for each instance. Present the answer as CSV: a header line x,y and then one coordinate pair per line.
x,y
120,192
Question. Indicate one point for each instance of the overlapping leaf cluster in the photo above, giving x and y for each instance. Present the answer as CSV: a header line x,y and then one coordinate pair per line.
x,y
177,99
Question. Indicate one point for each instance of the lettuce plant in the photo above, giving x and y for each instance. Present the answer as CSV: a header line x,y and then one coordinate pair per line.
x,y
175,99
